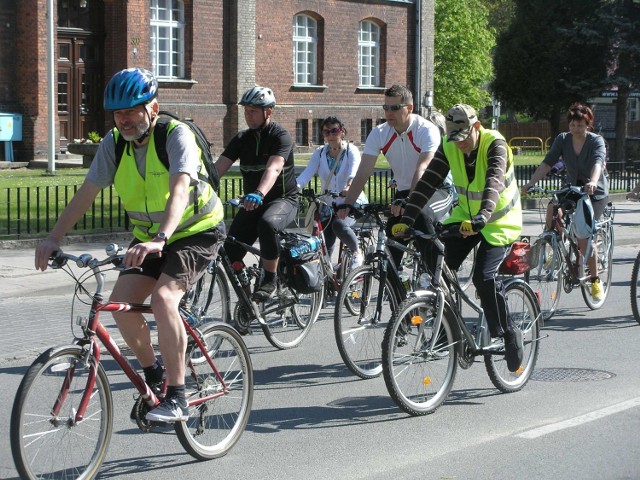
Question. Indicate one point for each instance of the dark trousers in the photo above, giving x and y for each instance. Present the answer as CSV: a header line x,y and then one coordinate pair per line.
x,y
261,224
488,260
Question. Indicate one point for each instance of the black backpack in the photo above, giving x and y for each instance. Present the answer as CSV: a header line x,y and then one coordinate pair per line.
x,y
160,133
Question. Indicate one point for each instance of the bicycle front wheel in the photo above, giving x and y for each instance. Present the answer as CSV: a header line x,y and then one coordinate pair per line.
x,y
635,289
358,325
419,364
47,441
209,299
289,316
523,311
603,241
545,276
219,399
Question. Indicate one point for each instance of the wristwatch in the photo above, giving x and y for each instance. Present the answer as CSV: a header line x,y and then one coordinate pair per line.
x,y
161,236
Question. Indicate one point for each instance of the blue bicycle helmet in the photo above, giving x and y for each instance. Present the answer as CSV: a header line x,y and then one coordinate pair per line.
x,y
130,87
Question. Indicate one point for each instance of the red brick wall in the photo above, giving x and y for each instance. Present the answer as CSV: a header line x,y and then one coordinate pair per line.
x,y
338,57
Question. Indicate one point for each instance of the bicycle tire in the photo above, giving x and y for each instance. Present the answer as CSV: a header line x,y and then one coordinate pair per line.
x,y
287,325
605,268
522,307
48,447
209,300
358,335
419,379
635,289
215,426
545,276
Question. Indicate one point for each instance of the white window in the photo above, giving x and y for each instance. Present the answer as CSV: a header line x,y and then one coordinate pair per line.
x,y
305,48
167,38
369,54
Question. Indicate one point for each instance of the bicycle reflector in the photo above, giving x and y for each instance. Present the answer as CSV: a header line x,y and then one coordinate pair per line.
x,y
416,320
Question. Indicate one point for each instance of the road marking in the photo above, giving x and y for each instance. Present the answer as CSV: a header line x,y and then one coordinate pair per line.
x,y
574,422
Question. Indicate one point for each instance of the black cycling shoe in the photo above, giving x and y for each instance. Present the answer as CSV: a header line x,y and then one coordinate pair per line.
x,y
513,351
265,292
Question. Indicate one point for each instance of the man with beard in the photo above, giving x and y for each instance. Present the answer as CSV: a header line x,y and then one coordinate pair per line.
x,y
177,225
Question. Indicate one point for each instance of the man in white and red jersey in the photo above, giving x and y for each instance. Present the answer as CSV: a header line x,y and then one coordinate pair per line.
x,y
408,142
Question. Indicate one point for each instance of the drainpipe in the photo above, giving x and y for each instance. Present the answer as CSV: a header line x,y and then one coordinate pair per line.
x,y
418,58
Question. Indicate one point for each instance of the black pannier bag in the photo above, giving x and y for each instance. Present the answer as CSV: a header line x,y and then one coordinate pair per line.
x,y
302,268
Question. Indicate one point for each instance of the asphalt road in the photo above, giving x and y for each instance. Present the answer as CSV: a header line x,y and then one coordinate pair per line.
x,y
578,418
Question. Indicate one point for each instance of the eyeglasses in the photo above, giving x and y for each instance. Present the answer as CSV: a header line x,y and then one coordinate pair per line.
x,y
394,108
333,131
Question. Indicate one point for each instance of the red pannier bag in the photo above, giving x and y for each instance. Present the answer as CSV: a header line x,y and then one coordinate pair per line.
x,y
517,260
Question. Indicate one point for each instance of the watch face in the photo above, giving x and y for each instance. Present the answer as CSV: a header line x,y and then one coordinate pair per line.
x,y
161,236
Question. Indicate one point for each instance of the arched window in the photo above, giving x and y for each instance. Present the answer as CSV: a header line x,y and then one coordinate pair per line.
x,y
305,50
369,54
167,38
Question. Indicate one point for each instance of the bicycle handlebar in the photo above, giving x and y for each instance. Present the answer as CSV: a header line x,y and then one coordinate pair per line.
x,y
85,260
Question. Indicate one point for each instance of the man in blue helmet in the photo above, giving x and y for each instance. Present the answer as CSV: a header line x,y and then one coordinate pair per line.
x,y
265,151
177,225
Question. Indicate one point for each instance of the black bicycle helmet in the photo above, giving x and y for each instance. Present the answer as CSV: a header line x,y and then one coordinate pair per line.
x,y
259,97
130,87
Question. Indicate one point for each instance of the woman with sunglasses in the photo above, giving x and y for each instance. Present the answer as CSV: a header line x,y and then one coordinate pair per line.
x,y
336,163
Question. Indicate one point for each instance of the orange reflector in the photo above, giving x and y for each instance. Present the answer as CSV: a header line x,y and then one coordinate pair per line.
x,y
355,296
426,381
416,320
519,370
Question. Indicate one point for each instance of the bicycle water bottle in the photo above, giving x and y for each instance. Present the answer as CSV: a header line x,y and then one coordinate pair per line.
x,y
241,273
405,278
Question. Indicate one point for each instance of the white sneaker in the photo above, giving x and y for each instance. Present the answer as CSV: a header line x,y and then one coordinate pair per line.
x,y
356,260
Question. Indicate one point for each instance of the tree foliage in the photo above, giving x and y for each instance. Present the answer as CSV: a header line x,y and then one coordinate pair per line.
x,y
618,31
542,65
462,58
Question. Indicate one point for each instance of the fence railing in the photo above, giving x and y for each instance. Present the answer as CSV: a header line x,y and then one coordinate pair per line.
x,y
27,212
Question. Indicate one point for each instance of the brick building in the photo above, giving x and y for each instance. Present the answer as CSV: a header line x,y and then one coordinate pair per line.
x,y
330,57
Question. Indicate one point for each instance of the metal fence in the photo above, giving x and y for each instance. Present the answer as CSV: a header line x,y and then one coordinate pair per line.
x,y
27,212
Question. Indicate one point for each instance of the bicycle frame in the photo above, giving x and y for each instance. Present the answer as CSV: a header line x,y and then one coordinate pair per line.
x,y
444,281
92,328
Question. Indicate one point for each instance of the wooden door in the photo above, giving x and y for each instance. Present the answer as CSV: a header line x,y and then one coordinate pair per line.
x,y
79,87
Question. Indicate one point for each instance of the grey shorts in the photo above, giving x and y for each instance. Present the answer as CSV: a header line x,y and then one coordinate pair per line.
x,y
185,260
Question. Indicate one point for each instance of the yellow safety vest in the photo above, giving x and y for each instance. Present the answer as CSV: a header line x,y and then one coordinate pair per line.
x,y
505,225
145,199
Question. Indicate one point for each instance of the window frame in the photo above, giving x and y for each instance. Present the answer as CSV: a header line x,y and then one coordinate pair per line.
x,y
308,68
372,42
175,67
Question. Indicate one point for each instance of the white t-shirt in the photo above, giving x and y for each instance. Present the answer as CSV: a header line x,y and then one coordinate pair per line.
x,y
402,150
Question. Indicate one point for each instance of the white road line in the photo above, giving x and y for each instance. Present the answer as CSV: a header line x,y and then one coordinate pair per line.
x,y
574,422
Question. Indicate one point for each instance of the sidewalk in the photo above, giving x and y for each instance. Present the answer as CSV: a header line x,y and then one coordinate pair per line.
x,y
37,305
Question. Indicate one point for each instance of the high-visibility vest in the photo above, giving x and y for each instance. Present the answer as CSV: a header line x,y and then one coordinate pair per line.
x,y
505,225
145,199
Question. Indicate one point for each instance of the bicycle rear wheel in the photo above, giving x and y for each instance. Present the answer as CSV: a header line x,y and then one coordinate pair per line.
x,y
46,445
289,316
209,299
545,276
418,375
635,289
604,243
358,329
523,311
215,425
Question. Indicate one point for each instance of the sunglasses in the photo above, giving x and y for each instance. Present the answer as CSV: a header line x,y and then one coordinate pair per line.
x,y
394,108
333,131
